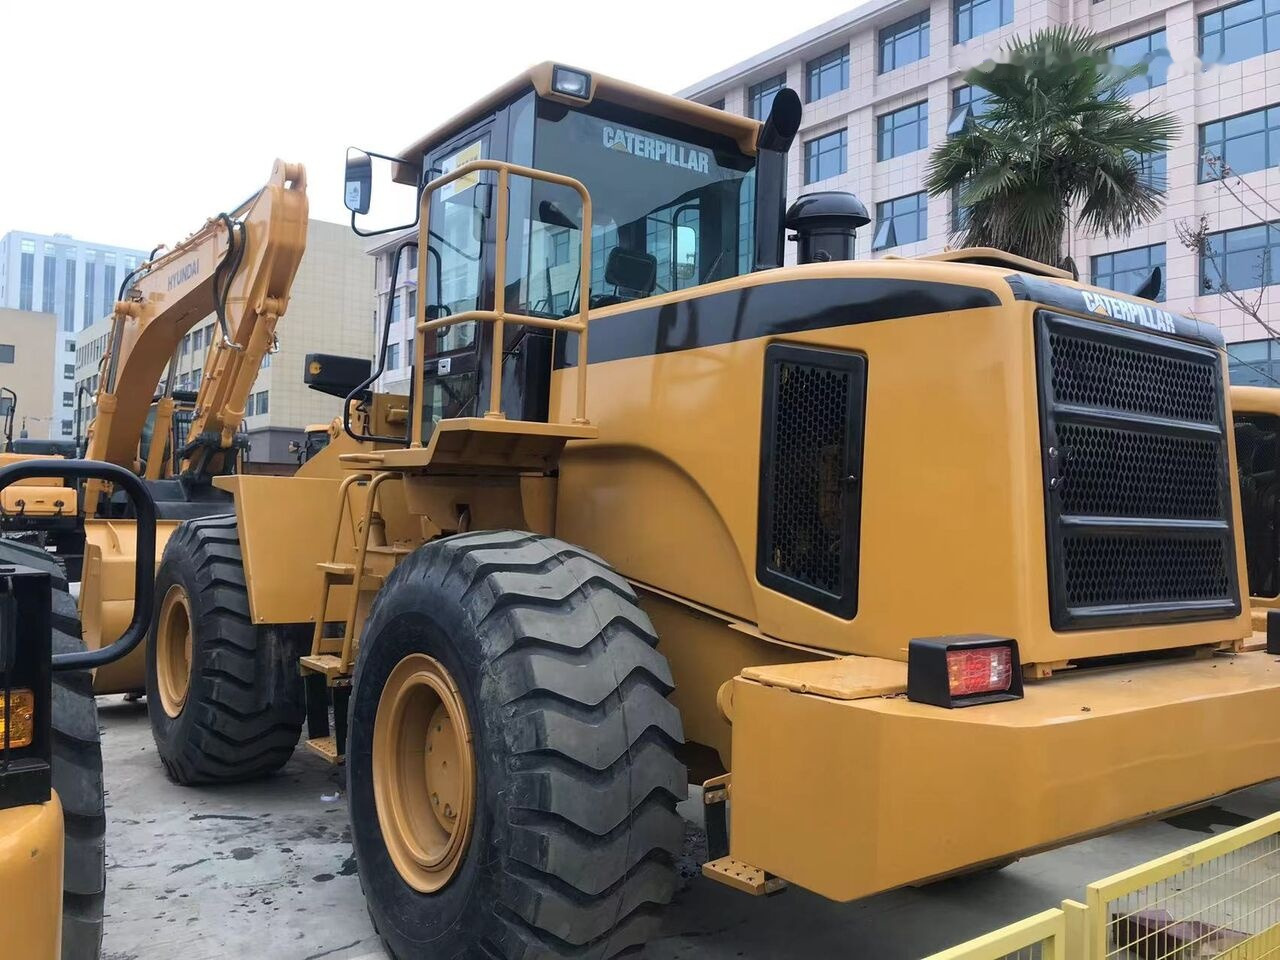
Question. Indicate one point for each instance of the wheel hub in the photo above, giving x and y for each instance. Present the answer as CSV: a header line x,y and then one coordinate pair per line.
x,y
173,650
423,772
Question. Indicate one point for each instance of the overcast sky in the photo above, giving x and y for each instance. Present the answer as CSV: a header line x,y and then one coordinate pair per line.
x,y
129,123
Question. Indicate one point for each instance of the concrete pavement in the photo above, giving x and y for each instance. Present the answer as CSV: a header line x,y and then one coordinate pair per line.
x,y
266,870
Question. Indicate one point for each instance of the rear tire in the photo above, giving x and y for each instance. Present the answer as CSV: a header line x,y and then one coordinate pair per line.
x,y
574,836
241,709
77,768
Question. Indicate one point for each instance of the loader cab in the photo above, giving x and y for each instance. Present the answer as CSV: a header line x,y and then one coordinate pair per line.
x,y
676,202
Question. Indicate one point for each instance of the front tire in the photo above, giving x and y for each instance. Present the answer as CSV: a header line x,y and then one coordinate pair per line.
x,y
77,768
564,837
224,695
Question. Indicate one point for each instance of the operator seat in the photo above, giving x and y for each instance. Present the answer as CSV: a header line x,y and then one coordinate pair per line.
x,y
632,274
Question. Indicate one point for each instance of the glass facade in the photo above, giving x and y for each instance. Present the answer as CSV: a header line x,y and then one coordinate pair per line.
x,y
976,17
1240,31
825,156
26,274
1126,270
1150,49
902,131
904,42
827,74
1240,144
902,220
1240,259
1254,363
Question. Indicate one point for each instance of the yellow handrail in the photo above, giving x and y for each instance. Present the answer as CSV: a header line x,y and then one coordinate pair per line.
x,y
499,316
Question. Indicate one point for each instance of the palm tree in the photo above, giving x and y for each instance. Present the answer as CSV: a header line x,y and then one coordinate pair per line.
x,y
1058,135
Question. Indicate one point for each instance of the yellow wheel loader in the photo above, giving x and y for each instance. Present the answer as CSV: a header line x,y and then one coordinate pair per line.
x,y
41,510
887,555
52,814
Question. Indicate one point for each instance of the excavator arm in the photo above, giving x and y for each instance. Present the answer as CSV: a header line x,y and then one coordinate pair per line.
x,y
239,266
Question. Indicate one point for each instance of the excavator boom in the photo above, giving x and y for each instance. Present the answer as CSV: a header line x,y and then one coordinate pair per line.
x,y
239,266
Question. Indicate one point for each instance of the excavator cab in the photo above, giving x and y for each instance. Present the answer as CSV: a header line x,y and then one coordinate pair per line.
x,y
671,205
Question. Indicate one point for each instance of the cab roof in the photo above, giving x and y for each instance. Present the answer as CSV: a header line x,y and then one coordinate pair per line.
x,y
742,130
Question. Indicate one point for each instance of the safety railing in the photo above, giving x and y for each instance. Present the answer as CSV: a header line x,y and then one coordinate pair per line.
x,y
1219,898
499,316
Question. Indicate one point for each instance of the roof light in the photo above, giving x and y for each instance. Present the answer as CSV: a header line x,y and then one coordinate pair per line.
x,y
963,671
571,83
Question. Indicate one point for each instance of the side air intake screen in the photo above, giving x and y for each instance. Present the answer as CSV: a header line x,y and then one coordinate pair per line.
x,y
810,475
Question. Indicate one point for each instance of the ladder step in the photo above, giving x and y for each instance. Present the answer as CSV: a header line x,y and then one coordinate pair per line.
x,y
325,664
340,574
327,748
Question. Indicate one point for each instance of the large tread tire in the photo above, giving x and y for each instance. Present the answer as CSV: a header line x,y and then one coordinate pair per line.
x,y
244,706
575,841
77,768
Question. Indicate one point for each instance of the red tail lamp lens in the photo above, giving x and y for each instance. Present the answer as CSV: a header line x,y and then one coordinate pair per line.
x,y
980,670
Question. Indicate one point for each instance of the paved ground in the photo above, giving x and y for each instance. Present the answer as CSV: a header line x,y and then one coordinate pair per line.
x,y
265,870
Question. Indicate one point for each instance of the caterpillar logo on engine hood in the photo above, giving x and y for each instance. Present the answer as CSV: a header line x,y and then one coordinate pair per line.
x,y
1153,318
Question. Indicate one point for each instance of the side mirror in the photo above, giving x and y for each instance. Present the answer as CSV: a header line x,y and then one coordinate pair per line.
x,y
358,183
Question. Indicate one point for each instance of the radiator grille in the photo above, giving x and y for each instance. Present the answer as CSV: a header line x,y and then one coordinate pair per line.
x,y
1138,505
810,491
1258,459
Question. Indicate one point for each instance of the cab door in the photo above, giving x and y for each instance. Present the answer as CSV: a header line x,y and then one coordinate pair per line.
x,y
459,278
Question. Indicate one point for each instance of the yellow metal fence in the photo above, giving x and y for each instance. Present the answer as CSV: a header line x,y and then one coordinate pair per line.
x,y
1219,899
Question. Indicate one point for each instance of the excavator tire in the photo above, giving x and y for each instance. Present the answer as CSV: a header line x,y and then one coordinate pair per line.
x,y
556,833
77,768
238,708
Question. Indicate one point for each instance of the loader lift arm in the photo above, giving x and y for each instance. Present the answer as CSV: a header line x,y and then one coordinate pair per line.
x,y
240,267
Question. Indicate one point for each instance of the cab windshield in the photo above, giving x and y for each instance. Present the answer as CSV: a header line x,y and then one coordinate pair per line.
x,y
671,208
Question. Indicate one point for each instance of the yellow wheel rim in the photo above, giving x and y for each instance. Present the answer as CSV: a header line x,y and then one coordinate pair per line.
x,y
423,772
173,650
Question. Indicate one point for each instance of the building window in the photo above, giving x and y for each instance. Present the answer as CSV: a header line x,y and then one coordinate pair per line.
x,y
90,301
411,303
1240,144
827,74
393,356
904,220
760,96
69,371
196,377
959,212
967,105
902,131
825,156
27,274
976,17
1153,169
6,353
1254,363
1126,270
260,402
1239,31
904,42
266,361
395,308
47,288
66,428
108,284
1240,259
185,347
69,290
559,247
70,346
1149,49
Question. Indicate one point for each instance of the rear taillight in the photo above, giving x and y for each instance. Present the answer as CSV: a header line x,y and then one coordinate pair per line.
x,y
981,670
963,671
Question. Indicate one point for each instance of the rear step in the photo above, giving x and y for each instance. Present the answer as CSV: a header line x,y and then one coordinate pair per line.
x,y
326,688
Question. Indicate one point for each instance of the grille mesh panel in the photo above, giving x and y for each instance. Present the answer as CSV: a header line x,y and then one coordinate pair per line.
x,y
1117,570
1123,473
810,430
1137,498
1095,373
